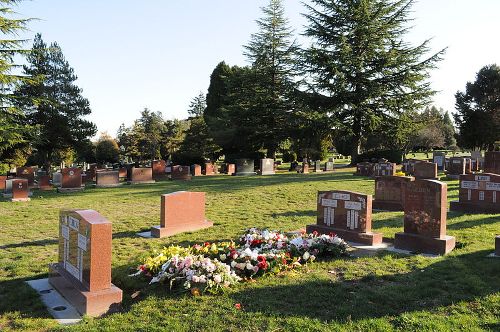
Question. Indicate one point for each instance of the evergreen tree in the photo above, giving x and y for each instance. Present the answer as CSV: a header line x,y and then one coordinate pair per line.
x,y
272,53
478,110
13,129
54,104
360,68
107,150
197,105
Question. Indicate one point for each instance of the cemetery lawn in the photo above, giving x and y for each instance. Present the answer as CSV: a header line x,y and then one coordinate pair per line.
x,y
382,292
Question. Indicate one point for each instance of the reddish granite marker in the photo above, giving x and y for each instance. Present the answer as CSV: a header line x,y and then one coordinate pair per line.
x,y
364,169
209,169
71,180
425,170
20,190
181,211
478,193
425,219
138,175
27,173
3,179
230,169
180,173
346,213
390,192
44,183
107,178
83,272
492,162
159,169
197,170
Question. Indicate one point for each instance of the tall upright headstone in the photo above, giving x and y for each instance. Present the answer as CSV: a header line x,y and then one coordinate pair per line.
x,y
492,162
180,172
230,169
384,169
390,192
440,159
181,211
71,180
245,167
346,213
83,271
425,170
20,190
468,165
478,193
266,166
425,219
305,166
3,179
317,167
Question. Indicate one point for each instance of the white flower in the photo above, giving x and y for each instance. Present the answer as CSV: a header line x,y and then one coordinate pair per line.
x,y
203,279
336,240
217,278
195,279
233,264
297,242
306,256
223,257
249,266
312,258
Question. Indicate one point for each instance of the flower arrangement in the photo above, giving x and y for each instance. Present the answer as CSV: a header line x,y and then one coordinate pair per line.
x,y
211,267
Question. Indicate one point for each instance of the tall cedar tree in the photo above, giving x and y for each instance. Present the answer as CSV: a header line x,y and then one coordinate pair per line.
x,y
478,110
272,53
13,129
360,68
54,104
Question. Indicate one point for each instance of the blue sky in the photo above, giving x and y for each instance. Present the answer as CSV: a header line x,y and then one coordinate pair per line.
x,y
160,53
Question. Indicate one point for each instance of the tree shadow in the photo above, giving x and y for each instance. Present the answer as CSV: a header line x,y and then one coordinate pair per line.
x,y
452,279
490,219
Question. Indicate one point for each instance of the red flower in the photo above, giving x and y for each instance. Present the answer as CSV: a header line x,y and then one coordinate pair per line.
x,y
142,267
237,306
261,258
256,242
332,234
263,265
207,244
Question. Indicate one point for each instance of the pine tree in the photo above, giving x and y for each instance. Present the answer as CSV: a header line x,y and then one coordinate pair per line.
x,y
272,53
13,130
54,104
360,68
197,105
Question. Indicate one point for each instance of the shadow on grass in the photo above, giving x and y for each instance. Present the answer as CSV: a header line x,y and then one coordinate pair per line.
x,y
460,278
490,219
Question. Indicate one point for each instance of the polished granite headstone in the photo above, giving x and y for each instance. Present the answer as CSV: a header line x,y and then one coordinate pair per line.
x,y
159,169
425,170
209,169
384,169
27,173
478,193
105,178
440,159
456,167
20,190
180,172
390,192
245,167
196,170
364,169
138,175
71,180
266,167
44,183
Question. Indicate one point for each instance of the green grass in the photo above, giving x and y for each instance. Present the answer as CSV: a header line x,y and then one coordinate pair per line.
x,y
380,293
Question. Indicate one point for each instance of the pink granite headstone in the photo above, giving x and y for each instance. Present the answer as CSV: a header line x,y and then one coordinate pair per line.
x,y
478,193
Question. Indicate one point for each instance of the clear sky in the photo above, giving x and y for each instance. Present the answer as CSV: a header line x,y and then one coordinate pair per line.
x,y
159,54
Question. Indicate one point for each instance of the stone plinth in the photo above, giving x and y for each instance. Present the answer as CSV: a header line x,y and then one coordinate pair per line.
x,y
181,212
492,162
425,219
245,167
266,167
138,175
364,169
44,183
106,179
384,169
425,170
159,169
440,159
390,192
346,213
83,271
180,173
478,193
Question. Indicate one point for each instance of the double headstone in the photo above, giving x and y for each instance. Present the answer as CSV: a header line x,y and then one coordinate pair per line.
x,y
346,213
440,159
364,169
140,175
492,162
83,271
266,166
107,178
390,192
71,180
478,193
425,170
245,167
384,169
425,219
181,211
180,173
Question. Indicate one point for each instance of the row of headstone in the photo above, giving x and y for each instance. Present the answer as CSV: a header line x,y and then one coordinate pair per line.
x,y
421,169
349,215
382,168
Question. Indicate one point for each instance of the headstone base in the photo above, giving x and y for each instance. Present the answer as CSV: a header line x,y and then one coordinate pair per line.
x,y
185,178
371,239
70,190
20,199
453,176
267,173
141,182
417,243
94,304
474,208
159,232
108,185
45,188
245,174
387,206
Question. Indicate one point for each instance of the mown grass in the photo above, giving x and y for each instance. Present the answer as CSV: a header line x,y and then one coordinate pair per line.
x,y
379,293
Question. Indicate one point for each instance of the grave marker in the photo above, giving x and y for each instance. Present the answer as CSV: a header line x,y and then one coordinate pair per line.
x,y
230,169
317,166
139,175
44,183
159,169
27,173
329,165
3,179
440,159
245,167
305,166
409,166
180,173
364,169
71,180
209,169
266,166
390,192
346,213
106,179
181,211
197,170
425,170
497,245
83,271
492,162
425,219
384,169
456,167
478,193
20,190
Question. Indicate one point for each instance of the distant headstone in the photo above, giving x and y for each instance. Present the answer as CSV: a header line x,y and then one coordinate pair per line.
x,y
492,162
425,170
456,167
181,211
329,166
294,166
159,169
266,166
3,179
497,245
346,213
384,169
364,169
71,180
56,179
83,271
425,219
439,158
478,193
122,172
409,166
20,190
91,172
245,167
468,165
305,166
390,192
209,169
317,166
230,169
105,179
27,173
196,170
44,182
180,173
141,175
